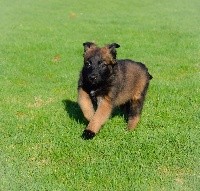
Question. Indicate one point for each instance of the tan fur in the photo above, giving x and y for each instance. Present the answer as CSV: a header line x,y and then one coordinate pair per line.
x,y
132,123
101,115
85,104
107,57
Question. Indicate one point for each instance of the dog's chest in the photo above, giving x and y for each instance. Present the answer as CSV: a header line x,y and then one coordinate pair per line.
x,y
95,97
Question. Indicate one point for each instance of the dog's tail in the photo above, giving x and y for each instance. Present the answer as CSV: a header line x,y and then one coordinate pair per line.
x,y
150,76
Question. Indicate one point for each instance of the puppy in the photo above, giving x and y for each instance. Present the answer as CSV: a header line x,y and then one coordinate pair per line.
x,y
106,82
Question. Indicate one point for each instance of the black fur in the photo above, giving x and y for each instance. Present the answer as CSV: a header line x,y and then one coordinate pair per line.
x,y
87,134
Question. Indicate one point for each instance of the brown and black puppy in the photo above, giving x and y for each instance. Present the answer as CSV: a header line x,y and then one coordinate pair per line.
x,y
106,82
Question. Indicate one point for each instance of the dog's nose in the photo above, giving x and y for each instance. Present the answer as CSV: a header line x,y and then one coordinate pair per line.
x,y
92,77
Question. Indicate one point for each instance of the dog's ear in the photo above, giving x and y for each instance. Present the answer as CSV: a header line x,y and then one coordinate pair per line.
x,y
112,47
88,45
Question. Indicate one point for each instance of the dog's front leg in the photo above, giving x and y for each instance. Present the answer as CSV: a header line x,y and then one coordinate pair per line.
x,y
85,104
101,115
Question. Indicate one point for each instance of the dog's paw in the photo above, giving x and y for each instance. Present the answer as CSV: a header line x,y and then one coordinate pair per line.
x,y
88,134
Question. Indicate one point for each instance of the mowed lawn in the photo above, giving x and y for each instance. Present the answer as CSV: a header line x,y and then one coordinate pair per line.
x,y
41,123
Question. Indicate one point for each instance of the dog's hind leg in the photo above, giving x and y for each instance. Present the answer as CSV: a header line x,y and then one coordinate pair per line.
x,y
85,103
135,107
134,112
102,113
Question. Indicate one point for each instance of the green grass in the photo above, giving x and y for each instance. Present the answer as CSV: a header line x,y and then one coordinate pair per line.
x,y
40,122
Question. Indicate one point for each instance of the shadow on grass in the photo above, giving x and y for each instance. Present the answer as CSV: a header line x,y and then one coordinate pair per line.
x,y
74,111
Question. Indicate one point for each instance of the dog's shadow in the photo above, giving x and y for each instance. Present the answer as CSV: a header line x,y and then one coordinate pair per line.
x,y
74,111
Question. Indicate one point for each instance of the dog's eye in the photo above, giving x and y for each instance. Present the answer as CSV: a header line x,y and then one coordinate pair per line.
x,y
88,64
103,65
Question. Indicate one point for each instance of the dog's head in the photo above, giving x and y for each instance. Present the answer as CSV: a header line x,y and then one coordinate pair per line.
x,y
98,62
